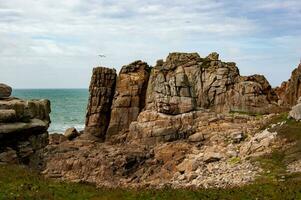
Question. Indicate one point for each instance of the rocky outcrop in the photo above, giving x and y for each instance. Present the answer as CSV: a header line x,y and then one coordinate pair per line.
x,y
169,96
23,130
5,90
129,98
101,90
186,82
290,91
178,124
186,86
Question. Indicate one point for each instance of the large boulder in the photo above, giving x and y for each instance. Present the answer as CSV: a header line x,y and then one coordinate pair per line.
x,y
186,82
129,98
101,90
5,90
23,130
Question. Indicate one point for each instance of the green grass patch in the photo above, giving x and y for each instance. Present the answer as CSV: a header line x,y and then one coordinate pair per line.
x,y
20,183
275,164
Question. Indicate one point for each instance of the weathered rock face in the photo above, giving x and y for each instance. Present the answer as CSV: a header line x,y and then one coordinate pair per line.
x,y
101,89
23,130
252,94
290,91
5,90
171,89
182,84
129,98
182,163
187,82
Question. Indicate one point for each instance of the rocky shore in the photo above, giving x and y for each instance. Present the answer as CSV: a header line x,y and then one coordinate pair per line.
x,y
189,121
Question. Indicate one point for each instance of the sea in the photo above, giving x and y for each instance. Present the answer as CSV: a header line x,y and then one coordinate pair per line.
x,y
68,106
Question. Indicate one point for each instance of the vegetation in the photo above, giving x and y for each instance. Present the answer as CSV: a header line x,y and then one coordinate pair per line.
x,y
274,183
20,183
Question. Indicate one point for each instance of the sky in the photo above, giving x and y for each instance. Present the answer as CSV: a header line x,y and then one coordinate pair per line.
x,y
55,43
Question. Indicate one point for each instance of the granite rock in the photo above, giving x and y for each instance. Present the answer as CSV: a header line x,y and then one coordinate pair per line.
x,y
102,87
290,91
129,98
23,130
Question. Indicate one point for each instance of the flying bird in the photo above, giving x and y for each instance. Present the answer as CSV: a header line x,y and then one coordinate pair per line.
x,y
101,56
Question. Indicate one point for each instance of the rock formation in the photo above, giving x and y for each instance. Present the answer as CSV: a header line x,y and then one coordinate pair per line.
x,y
184,83
23,130
290,91
129,98
180,124
101,90
187,82
5,90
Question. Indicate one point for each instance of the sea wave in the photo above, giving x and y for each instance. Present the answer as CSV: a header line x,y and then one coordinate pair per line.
x,y
61,128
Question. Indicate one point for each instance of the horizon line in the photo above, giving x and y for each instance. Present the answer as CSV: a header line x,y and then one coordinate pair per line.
x,y
45,88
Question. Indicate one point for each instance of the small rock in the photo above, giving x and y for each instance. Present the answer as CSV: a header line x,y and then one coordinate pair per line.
x,y
5,90
197,137
71,133
192,176
237,136
212,157
295,113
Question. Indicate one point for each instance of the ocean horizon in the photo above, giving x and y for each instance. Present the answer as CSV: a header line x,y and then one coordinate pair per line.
x,y
68,105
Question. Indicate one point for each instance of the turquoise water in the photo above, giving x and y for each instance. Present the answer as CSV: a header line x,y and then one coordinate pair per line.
x,y
68,106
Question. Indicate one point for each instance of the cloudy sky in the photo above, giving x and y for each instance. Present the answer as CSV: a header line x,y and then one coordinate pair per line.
x,y
55,43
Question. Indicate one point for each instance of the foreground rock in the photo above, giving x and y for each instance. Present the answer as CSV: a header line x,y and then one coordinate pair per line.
x,y
5,90
214,161
23,130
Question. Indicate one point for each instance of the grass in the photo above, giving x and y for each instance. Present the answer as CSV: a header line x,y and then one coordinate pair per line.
x,y
274,183
275,164
20,183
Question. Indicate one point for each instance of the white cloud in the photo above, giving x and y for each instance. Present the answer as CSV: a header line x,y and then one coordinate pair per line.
x,y
68,34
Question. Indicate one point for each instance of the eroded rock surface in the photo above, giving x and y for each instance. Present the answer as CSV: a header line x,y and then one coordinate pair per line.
x,y
23,130
186,82
101,90
290,91
129,98
214,161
